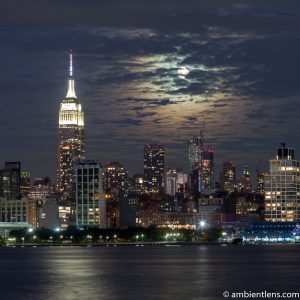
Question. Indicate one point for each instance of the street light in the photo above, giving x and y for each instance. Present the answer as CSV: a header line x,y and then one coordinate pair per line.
x,y
23,239
142,237
167,237
225,237
202,224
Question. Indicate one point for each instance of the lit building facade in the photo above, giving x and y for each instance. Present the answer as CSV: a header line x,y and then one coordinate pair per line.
x,y
194,157
207,170
176,181
13,210
228,176
90,203
129,210
115,177
282,187
40,191
201,165
71,139
138,183
154,165
261,182
10,180
25,183
170,186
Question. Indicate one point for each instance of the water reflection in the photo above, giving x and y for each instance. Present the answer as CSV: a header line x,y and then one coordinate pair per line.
x,y
191,272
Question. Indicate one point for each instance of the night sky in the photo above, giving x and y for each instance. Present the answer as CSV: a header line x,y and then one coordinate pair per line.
x,y
151,71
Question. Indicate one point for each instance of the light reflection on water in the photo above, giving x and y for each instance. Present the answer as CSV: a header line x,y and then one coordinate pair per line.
x,y
187,272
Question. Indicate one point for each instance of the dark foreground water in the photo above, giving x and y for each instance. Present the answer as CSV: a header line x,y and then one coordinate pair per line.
x,y
186,272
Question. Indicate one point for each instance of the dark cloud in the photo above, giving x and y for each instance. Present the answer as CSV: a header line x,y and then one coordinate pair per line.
x,y
150,71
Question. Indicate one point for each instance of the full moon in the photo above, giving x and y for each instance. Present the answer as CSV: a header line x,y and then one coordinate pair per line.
x,y
183,71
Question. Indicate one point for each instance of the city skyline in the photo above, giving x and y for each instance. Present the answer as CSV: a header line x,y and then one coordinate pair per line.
x,y
141,81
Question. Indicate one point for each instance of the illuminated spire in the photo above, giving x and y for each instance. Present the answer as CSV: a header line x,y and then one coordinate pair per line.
x,y
71,64
71,89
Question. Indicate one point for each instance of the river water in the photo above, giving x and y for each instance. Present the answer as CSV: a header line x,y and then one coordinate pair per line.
x,y
150,272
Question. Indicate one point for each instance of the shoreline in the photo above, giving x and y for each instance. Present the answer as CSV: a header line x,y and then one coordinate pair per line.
x,y
149,244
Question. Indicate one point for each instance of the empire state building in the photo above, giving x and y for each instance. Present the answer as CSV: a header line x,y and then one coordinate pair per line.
x,y
70,138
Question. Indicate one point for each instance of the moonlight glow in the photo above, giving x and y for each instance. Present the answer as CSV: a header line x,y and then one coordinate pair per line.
x,y
182,72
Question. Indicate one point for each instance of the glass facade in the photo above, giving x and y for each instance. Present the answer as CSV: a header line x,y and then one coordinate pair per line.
x,y
10,180
115,177
90,204
154,165
201,165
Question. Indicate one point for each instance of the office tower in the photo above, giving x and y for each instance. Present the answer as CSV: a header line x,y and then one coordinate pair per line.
x,y
154,164
115,185
10,180
129,210
282,187
261,182
70,139
245,184
115,177
90,203
13,210
201,165
138,183
246,172
207,169
171,178
194,157
194,153
181,182
40,191
228,176
176,181
25,183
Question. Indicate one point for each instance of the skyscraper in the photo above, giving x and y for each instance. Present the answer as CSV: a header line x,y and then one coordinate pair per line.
x,y
115,177
207,169
245,184
10,180
90,203
201,165
70,138
154,165
228,176
25,183
282,187
194,157
175,181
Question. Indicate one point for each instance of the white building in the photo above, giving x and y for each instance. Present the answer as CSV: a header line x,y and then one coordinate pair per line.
x,y
282,187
